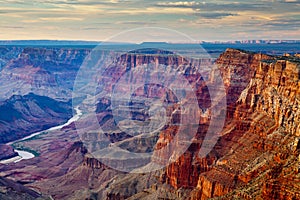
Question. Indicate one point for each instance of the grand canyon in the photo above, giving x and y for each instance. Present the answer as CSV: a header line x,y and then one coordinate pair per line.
x,y
226,126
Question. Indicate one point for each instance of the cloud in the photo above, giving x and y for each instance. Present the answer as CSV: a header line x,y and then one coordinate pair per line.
x,y
86,2
13,27
43,18
12,2
61,19
82,2
30,21
140,23
214,15
235,6
151,11
9,10
186,4
4,11
291,1
283,24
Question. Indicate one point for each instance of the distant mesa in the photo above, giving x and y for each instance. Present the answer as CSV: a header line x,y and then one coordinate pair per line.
x,y
154,43
151,51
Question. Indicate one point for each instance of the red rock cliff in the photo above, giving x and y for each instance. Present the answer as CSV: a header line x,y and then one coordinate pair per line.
x,y
257,155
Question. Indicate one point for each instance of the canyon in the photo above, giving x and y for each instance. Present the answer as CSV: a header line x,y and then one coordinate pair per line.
x,y
256,155
35,90
21,114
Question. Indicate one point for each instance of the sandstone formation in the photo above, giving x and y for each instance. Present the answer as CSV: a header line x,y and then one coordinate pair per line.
x,y
257,155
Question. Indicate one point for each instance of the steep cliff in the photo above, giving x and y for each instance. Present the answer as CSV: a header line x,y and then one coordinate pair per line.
x,y
256,156
151,78
257,152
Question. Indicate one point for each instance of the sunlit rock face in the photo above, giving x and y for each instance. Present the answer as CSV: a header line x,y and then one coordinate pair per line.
x,y
258,151
140,106
257,154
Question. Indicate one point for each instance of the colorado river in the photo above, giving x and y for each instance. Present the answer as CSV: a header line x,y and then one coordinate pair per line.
x,y
25,155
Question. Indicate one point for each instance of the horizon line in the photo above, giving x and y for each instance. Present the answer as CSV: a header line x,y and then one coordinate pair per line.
x,y
167,42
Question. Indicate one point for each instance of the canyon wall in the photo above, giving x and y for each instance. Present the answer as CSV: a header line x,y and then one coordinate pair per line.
x,y
22,115
44,71
260,134
255,157
258,143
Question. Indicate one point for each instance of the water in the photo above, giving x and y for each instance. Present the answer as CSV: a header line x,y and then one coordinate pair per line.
x,y
25,155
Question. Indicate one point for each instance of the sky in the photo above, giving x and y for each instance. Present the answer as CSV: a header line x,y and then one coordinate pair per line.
x,y
97,20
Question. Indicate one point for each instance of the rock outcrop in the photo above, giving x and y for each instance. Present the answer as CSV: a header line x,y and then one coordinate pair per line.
x,y
8,53
147,75
10,190
258,143
44,71
257,155
22,115
7,152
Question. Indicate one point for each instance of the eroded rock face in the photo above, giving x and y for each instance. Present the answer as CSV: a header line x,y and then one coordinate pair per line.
x,y
251,131
8,53
44,71
22,115
258,150
262,126
11,190
7,152
148,76
257,155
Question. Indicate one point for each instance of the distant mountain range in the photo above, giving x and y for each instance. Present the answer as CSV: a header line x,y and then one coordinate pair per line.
x,y
94,43
254,42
